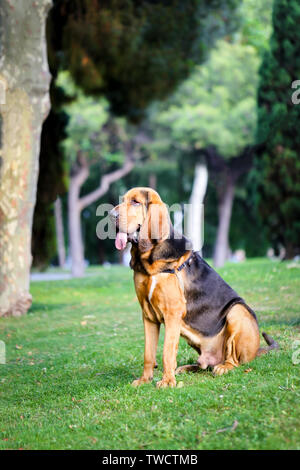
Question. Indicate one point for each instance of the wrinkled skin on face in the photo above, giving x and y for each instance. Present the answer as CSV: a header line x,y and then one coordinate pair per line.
x,y
131,214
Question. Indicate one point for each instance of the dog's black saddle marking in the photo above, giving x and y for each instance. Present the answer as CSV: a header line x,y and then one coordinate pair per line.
x,y
208,297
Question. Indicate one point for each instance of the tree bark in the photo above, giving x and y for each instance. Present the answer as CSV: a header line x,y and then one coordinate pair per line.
x,y
74,217
225,174
59,228
224,211
105,183
25,76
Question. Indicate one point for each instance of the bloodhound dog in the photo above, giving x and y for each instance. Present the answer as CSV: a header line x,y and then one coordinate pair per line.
x,y
175,286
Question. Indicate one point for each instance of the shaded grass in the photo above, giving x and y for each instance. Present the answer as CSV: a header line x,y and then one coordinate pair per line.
x,y
70,362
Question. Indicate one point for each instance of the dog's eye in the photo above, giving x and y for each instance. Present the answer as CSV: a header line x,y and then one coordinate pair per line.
x,y
135,202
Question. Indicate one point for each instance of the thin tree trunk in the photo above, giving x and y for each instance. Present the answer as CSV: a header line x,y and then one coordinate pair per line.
x,y
24,75
77,204
74,216
59,228
76,241
226,174
224,210
195,212
105,183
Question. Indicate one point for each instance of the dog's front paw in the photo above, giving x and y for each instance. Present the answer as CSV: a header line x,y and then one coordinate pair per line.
x,y
140,381
166,382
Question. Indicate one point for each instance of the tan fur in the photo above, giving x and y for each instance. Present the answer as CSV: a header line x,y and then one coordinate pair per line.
x,y
162,300
237,342
241,339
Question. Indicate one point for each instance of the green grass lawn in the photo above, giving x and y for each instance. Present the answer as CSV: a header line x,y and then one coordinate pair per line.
x,y
71,360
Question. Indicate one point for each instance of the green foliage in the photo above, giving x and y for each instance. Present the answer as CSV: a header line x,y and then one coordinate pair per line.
x,y
70,362
134,51
216,105
247,232
91,130
256,24
133,62
87,117
278,165
128,53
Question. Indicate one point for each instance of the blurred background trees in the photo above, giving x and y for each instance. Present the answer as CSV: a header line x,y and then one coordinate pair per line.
x,y
131,53
192,98
162,72
277,166
213,115
94,138
24,105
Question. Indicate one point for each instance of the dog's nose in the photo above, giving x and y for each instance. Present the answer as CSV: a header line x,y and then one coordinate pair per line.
x,y
114,214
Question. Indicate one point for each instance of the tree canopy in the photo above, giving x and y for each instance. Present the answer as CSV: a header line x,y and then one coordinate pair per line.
x,y
135,51
217,104
129,52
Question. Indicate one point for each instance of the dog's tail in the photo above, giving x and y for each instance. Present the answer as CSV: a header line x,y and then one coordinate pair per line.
x,y
272,344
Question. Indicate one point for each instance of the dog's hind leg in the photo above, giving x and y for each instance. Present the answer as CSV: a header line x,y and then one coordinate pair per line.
x,y
242,339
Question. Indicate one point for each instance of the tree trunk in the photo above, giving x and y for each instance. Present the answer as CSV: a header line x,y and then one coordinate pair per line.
x,y
225,174
74,216
195,212
25,78
289,251
226,197
77,204
59,228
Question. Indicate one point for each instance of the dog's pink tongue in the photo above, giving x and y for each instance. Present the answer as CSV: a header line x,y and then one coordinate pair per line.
x,y
121,240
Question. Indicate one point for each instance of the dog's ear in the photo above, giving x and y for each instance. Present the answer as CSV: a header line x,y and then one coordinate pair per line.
x,y
156,225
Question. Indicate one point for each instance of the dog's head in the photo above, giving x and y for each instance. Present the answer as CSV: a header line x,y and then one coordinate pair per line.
x,y
141,218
